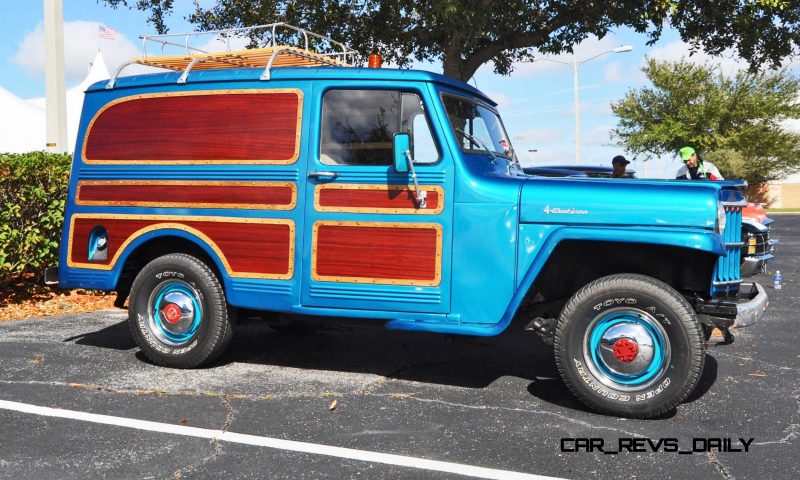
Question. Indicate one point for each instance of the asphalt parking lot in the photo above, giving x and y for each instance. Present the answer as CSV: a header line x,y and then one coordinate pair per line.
x,y
74,392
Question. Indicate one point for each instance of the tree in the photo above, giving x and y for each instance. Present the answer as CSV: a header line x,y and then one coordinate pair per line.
x,y
737,122
465,34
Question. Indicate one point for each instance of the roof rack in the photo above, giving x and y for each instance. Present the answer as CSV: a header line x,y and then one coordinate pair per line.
x,y
196,58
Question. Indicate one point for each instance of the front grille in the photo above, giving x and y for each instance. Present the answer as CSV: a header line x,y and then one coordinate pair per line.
x,y
757,244
727,273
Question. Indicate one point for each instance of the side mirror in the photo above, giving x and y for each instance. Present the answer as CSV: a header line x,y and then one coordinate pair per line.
x,y
402,145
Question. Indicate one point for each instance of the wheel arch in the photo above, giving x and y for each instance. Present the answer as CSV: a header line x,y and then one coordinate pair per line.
x,y
154,244
683,259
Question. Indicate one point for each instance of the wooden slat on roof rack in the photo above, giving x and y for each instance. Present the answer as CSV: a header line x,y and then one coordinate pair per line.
x,y
253,58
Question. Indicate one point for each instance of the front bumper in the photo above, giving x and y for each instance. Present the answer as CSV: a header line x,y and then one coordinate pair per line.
x,y
745,309
752,309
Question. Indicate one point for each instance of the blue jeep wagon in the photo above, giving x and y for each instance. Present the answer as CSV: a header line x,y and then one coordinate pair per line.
x,y
279,179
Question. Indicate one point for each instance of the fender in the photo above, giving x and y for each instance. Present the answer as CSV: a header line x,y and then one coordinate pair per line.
x,y
703,240
108,279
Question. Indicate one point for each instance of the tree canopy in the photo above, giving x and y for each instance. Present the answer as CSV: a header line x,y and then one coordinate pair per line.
x,y
737,121
465,34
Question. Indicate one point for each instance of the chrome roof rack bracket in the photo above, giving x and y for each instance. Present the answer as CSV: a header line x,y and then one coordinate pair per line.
x,y
267,74
188,69
113,80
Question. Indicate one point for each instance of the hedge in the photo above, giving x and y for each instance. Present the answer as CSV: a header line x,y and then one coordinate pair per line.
x,y
33,189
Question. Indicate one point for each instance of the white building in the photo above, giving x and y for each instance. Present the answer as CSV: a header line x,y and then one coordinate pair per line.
x,y
22,123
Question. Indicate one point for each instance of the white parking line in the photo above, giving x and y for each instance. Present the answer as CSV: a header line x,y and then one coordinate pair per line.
x,y
277,443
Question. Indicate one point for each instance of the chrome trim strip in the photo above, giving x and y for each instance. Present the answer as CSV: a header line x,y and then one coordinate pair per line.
x,y
729,282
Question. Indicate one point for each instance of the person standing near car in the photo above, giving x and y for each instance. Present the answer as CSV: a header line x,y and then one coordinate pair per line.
x,y
619,163
694,168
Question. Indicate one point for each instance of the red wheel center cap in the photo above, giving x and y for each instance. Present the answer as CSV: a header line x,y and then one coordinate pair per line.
x,y
625,350
172,313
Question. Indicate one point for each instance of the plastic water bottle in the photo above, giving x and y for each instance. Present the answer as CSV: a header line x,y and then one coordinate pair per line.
x,y
776,280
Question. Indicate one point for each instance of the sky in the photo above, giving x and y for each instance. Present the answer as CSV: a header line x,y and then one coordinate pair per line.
x,y
536,100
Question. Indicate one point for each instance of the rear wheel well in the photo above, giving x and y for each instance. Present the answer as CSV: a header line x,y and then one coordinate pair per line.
x,y
152,249
575,263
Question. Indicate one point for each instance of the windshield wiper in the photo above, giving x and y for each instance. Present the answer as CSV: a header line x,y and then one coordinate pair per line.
x,y
474,139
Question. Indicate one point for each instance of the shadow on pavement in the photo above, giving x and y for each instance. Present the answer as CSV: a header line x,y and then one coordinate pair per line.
x,y
469,362
116,337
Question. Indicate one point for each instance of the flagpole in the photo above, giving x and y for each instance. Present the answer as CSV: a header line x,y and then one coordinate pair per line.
x,y
55,89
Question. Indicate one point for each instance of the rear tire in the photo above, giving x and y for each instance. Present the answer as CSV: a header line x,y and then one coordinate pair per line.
x,y
178,314
629,345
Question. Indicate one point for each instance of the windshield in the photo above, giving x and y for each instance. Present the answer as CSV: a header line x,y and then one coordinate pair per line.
x,y
481,127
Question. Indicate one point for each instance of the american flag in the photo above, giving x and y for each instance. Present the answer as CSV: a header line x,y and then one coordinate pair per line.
x,y
108,33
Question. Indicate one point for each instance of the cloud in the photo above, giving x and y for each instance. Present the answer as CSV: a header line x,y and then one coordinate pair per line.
x,y
613,72
676,51
502,100
541,136
81,42
217,44
601,109
597,136
548,156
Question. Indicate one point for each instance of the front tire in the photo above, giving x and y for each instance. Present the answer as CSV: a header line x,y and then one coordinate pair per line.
x,y
178,314
629,345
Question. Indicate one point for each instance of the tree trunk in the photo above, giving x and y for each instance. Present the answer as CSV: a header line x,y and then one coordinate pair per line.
x,y
452,67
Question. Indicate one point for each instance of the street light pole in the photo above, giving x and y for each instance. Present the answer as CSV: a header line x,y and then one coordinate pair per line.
x,y
575,64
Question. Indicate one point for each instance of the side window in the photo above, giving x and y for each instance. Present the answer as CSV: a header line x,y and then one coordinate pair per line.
x,y
415,123
358,127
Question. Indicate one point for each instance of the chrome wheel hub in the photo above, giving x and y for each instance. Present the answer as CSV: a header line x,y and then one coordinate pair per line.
x,y
626,349
175,312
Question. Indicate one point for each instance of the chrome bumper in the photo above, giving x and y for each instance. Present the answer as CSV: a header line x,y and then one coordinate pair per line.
x,y
754,264
753,302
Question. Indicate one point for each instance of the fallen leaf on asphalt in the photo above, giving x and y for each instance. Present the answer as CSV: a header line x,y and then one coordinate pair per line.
x,y
333,405
184,421
757,373
36,361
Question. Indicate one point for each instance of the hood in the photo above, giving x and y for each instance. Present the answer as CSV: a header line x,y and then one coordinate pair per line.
x,y
620,202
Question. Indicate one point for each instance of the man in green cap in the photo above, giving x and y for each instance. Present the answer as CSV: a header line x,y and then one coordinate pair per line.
x,y
694,168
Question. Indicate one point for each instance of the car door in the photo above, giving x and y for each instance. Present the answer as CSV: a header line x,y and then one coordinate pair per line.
x,y
369,244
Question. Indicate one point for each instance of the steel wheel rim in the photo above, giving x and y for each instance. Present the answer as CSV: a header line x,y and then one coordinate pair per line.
x,y
626,349
174,312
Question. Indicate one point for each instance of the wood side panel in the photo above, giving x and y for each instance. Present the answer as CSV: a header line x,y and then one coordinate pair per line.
x,y
374,198
371,252
224,127
194,194
251,247
247,248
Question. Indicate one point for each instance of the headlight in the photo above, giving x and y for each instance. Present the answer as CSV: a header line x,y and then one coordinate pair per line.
x,y
720,218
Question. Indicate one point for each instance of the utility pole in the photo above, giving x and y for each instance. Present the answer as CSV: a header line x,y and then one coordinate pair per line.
x,y
55,89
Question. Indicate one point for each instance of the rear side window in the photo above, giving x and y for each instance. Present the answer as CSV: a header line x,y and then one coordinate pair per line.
x,y
358,127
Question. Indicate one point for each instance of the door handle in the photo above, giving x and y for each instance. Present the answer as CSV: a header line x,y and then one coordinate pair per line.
x,y
323,175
